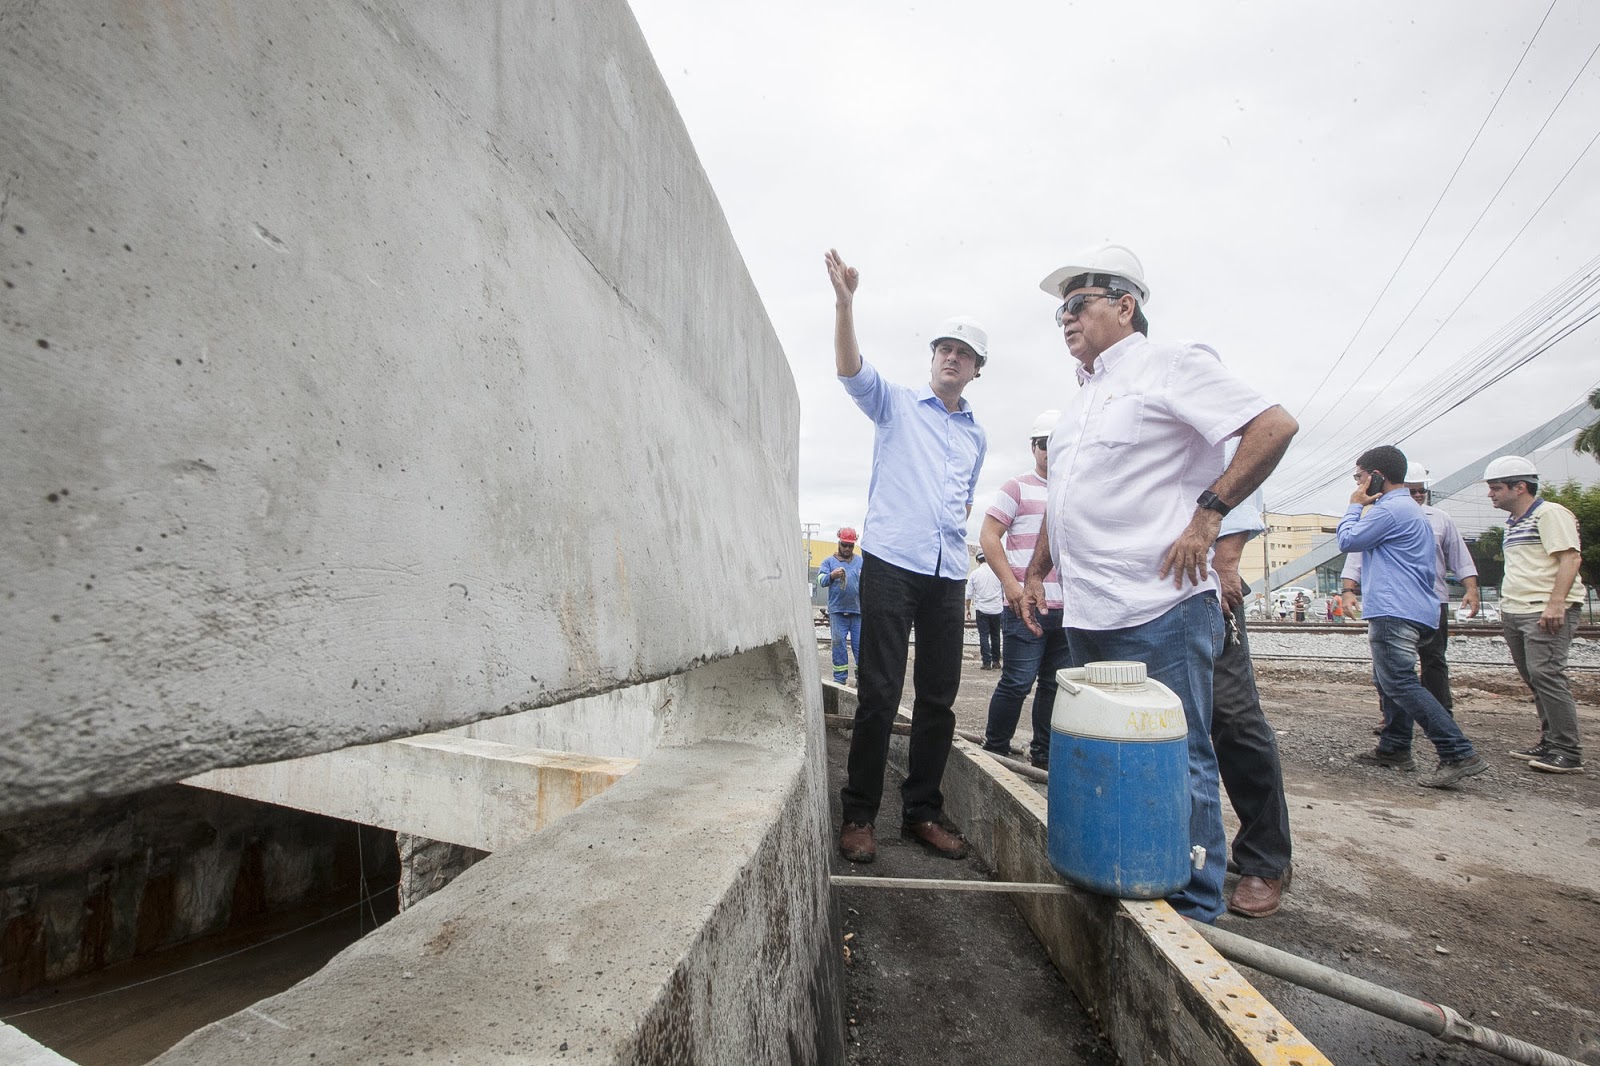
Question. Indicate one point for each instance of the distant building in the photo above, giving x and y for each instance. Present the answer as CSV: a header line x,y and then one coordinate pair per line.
x,y
1288,537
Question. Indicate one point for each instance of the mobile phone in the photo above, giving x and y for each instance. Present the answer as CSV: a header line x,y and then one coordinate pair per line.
x,y
1376,485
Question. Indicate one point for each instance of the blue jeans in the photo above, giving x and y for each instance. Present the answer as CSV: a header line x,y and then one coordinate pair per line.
x,y
1394,644
842,628
988,637
1027,658
1179,649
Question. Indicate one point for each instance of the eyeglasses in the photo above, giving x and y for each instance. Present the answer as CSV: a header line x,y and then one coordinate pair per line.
x,y
1074,304
1420,495
1041,442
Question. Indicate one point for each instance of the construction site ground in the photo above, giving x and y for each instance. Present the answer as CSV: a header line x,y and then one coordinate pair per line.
x,y
1485,897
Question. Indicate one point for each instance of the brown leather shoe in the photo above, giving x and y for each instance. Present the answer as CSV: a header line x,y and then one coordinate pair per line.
x,y
857,843
936,837
1256,897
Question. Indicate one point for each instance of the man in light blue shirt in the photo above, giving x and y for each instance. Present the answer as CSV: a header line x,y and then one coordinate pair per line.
x,y
1401,611
926,456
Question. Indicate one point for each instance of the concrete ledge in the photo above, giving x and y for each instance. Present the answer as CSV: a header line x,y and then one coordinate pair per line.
x,y
1160,993
19,1049
461,790
682,916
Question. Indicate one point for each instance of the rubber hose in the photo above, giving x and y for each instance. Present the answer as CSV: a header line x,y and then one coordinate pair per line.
x,y
1434,1019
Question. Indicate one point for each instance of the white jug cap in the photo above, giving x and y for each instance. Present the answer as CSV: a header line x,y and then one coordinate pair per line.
x,y
1114,673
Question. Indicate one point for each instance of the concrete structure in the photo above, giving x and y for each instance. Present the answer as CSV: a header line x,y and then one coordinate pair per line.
x,y
371,371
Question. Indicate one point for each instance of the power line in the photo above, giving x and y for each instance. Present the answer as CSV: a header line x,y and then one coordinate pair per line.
x,y
1457,251
1420,230
1307,459
1568,307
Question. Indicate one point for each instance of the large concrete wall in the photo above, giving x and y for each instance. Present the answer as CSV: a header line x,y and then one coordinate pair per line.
x,y
372,370
368,369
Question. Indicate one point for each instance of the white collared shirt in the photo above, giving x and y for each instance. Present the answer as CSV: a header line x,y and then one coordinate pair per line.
x,y
1140,440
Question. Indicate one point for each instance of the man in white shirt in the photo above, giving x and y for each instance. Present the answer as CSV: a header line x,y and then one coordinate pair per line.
x,y
1138,489
985,600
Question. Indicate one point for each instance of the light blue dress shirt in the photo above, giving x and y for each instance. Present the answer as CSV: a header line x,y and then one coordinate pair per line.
x,y
925,466
1397,555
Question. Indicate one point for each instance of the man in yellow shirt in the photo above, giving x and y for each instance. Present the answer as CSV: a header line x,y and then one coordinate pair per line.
x,y
1540,598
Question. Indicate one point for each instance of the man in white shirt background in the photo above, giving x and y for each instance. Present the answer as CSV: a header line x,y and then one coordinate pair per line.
x,y
985,601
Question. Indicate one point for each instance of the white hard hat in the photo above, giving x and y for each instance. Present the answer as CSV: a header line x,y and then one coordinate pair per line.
x,y
1417,474
1116,265
967,331
1044,424
1511,468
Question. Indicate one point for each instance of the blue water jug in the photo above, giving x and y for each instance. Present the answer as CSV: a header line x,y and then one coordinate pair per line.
x,y
1119,783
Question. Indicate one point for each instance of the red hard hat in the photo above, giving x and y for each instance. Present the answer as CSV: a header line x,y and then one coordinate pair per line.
x,y
847,535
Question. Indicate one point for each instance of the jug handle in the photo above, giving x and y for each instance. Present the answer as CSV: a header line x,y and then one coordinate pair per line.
x,y
1064,678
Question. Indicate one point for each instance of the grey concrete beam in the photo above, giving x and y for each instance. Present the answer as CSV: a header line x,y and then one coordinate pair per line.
x,y
476,793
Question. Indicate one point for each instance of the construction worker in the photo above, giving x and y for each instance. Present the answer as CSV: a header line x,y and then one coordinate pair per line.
x,y
1138,490
1540,597
927,453
840,574
1010,530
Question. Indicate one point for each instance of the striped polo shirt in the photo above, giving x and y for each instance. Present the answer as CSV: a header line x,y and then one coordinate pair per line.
x,y
1019,505
1530,546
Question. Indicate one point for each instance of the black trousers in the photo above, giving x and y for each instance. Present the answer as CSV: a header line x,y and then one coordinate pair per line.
x,y
894,602
1435,665
1247,757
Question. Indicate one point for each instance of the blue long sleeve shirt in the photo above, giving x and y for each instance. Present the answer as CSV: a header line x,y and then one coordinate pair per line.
x,y
844,594
1398,556
925,466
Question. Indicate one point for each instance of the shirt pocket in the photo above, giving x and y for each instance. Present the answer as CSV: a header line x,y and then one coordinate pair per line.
x,y
1120,420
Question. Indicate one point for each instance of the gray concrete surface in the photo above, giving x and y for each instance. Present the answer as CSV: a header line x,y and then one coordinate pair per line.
x,y
697,930
370,370
373,370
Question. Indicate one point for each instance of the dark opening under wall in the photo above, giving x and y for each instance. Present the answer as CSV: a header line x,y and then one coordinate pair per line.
x,y
86,887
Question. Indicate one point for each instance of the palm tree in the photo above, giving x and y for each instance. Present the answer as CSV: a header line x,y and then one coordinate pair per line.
x,y
1588,441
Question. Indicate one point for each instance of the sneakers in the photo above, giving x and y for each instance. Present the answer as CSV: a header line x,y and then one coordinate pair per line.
x,y
1391,760
1557,764
857,843
1538,751
1449,773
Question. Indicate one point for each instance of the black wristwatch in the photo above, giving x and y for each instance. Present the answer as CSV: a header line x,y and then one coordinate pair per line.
x,y
1210,501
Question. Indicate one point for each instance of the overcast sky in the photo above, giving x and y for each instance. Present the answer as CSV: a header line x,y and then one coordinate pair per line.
x,y
1270,163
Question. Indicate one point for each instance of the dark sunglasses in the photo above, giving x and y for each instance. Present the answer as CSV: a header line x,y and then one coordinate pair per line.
x,y
1074,304
1041,442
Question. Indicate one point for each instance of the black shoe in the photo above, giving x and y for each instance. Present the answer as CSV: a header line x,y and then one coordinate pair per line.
x,y
1557,764
1449,773
1538,751
1039,762
1391,760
